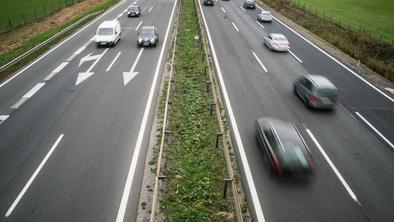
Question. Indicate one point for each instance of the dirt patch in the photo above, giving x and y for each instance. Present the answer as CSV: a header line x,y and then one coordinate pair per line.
x,y
19,36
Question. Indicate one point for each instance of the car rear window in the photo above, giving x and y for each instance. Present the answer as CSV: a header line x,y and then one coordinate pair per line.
x,y
279,38
326,92
266,13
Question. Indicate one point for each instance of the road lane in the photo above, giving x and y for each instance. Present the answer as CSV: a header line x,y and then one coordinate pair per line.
x,y
346,141
84,179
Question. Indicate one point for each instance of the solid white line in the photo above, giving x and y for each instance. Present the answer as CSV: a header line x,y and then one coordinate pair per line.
x,y
137,149
243,9
3,118
60,44
335,60
237,136
374,129
299,60
224,11
347,187
150,9
136,28
55,71
33,177
258,60
109,67
235,27
260,24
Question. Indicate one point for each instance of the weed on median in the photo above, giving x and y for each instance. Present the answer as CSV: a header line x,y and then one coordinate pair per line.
x,y
195,169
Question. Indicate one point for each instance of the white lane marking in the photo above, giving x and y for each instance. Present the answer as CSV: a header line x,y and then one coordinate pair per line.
x,y
136,28
374,129
3,118
390,90
235,27
150,9
120,15
259,61
82,76
334,59
33,176
134,3
124,11
28,95
56,71
237,136
137,149
128,76
109,67
60,44
347,187
77,52
224,11
260,24
299,60
243,9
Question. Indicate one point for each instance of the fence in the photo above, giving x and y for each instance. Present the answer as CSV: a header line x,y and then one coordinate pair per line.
x,y
337,21
48,8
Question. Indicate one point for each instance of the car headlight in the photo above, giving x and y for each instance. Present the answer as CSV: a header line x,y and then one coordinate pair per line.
x,y
152,40
139,40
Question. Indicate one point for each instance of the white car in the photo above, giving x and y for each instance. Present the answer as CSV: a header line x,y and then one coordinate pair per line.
x,y
264,16
108,33
277,42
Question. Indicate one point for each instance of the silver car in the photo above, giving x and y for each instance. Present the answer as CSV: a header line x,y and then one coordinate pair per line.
x,y
277,42
264,16
148,36
316,91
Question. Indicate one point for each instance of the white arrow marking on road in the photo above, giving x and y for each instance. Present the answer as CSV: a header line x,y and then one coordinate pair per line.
x,y
82,76
128,76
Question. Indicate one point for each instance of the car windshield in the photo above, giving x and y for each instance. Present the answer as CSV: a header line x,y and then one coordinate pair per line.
x,y
134,8
105,31
266,13
147,32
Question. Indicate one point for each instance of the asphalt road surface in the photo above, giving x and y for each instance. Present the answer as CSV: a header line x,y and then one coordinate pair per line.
x,y
74,125
352,146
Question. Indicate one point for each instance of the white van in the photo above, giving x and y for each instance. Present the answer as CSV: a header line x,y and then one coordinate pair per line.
x,y
108,33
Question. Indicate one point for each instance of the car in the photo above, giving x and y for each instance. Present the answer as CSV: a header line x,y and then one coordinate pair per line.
x,y
148,36
208,2
277,42
264,16
249,4
316,91
284,149
134,11
108,33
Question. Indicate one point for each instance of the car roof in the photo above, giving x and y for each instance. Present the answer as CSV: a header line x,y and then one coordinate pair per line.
x,y
321,82
108,24
148,27
277,35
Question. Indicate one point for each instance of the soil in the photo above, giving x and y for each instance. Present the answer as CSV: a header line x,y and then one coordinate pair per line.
x,y
19,36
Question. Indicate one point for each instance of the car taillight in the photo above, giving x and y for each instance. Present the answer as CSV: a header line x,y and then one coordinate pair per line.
x,y
313,98
276,165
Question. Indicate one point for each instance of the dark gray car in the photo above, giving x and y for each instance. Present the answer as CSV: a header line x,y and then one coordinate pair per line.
x,y
134,11
148,36
249,4
284,148
316,91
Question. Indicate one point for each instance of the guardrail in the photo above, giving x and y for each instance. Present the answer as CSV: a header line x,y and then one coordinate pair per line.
x,y
42,44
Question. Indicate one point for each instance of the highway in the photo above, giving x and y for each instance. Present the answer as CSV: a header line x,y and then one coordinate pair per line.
x,y
352,146
75,123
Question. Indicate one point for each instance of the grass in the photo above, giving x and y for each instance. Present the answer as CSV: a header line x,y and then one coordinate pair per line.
x,y
6,57
375,16
378,55
22,11
195,169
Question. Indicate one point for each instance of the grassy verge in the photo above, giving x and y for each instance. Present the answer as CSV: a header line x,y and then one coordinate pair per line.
x,y
375,16
195,169
6,57
376,54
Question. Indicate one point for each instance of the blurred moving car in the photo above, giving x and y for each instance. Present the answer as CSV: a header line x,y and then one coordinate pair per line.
x,y
208,2
249,4
284,148
277,42
108,33
134,11
264,16
148,36
316,91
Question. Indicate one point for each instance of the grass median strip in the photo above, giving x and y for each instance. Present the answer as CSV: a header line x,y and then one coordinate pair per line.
x,y
195,169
